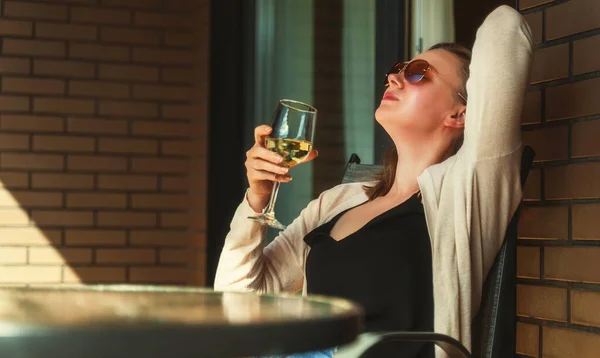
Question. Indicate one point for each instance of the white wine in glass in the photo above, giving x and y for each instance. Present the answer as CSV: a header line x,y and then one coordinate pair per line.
x,y
292,138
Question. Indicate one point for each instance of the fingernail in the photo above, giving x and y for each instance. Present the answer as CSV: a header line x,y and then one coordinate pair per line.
x,y
278,158
316,153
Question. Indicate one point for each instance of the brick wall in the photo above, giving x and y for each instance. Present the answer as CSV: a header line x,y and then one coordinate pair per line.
x,y
102,114
559,247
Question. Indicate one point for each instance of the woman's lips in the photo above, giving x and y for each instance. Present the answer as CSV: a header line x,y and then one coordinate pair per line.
x,y
389,97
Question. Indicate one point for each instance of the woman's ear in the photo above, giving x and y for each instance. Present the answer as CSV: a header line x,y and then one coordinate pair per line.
x,y
456,119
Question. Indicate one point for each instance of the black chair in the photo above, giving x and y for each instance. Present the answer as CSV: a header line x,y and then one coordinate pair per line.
x,y
494,327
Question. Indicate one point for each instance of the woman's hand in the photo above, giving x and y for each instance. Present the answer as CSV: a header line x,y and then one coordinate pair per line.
x,y
262,169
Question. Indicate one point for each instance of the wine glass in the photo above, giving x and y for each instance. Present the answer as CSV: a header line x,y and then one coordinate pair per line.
x,y
292,138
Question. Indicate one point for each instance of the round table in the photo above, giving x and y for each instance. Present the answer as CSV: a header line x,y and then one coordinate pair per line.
x,y
129,321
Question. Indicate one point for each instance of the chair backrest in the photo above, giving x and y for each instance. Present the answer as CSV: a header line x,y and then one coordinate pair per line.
x,y
494,327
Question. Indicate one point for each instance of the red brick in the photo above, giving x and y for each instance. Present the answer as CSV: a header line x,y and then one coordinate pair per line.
x,y
161,129
34,10
96,126
163,20
29,236
129,73
13,255
535,23
100,16
136,4
130,109
586,56
542,302
174,38
578,180
65,31
130,36
13,217
99,52
10,65
63,143
526,4
61,68
96,163
584,142
63,105
177,75
175,183
560,342
32,85
572,17
159,274
549,222
159,201
31,161
14,103
126,219
573,100
178,147
528,339
585,225
14,180
579,264
128,182
33,48
15,28
182,111
162,56
95,237
584,306
125,256
30,274
51,255
177,256
31,123
550,63
528,262
550,143
113,145
98,89
62,218
182,5
27,199
14,141
159,238
62,181
162,93
96,200
94,274
174,220
533,187
159,165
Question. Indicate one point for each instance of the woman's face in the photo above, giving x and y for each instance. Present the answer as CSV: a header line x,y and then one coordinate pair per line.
x,y
425,107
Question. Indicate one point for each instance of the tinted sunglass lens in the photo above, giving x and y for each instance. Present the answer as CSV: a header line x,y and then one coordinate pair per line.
x,y
415,71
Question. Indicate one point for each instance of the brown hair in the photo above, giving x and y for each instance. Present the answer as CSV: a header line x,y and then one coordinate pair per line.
x,y
385,179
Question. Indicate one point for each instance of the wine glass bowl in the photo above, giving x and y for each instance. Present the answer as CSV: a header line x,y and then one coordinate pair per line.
x,y
293,130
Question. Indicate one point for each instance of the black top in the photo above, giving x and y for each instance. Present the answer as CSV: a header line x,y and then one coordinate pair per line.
x,y
385,266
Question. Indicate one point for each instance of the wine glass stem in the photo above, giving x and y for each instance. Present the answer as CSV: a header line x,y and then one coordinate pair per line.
x,y
270,210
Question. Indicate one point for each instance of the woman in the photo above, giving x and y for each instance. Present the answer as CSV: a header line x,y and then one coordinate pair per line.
x,y
415,247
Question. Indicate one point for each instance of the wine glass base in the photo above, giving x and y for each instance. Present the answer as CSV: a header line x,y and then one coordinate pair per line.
x,y
268,220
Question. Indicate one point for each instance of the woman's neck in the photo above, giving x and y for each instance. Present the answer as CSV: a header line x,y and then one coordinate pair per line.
x,y
412,161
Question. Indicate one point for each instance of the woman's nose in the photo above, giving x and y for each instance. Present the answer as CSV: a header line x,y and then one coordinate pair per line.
x,y
395,79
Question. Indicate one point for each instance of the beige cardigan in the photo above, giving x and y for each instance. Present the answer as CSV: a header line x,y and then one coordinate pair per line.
x,y
468,199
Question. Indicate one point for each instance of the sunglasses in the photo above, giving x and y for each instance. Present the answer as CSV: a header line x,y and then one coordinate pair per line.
x,y
414,72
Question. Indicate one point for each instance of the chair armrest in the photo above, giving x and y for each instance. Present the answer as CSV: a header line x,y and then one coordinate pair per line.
x,y
367,341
